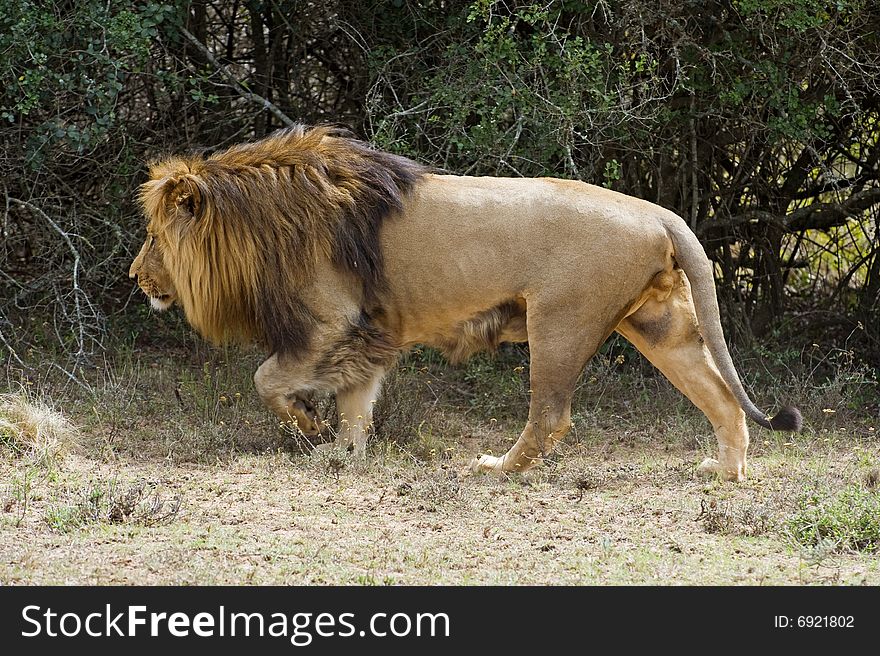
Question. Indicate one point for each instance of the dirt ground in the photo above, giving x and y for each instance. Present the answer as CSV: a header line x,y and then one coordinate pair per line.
x,y
179,477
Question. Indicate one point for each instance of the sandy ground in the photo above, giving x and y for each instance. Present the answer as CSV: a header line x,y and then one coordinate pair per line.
x,y
632,517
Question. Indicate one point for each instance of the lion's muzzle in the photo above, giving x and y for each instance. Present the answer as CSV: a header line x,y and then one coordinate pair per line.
x,y
152,277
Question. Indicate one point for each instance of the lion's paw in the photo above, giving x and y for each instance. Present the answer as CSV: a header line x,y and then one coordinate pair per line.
x,y
483,464
711,468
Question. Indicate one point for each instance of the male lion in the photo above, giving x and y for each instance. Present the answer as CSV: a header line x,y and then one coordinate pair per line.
x,y
337,257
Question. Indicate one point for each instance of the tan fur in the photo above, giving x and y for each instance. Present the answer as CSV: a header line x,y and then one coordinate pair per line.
x,y
366,255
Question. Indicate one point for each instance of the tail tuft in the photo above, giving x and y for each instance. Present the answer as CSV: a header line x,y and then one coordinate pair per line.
x,y
787,419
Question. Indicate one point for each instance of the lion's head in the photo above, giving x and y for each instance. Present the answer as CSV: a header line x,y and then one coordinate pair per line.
x,y
235,236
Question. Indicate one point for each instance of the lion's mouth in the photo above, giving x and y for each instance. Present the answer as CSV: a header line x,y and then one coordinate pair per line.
x,y
161,302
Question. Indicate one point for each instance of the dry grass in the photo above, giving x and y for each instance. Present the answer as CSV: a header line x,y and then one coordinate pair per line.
x,y
182,477
30,429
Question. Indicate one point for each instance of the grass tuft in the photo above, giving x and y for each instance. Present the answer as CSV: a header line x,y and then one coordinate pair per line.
x,y
32,430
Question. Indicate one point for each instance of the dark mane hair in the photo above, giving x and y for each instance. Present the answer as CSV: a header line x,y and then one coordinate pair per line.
x,y
243,228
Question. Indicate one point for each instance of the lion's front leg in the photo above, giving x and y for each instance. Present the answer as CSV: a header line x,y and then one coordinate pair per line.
x,y
355,406
282,388
277,387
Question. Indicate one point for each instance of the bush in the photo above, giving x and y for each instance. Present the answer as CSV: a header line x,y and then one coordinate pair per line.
x,y
726,112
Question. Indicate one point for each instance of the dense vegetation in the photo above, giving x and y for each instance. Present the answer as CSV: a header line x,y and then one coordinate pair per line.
x,y
756,120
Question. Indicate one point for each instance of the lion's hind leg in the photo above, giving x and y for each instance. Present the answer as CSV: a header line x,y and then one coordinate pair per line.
x,y
559,346
665,330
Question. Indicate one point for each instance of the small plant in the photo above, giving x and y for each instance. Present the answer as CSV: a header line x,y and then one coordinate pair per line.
x,y
427,446
137,504
847,521
406,398
432,489
728,519
22,492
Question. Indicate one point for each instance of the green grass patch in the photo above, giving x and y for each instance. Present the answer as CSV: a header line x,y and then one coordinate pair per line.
x,y
846,521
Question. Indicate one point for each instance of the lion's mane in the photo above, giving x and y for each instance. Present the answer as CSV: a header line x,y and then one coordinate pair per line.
x,y
243,229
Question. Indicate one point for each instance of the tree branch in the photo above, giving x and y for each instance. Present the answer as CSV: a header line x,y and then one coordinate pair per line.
x,y
255,98
817,216
827,215
79,296
837,185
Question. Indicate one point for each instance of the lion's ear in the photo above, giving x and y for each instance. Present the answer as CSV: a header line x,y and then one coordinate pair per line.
x,y
185,195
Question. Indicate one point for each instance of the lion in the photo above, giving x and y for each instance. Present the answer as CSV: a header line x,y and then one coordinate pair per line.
x,y
337,257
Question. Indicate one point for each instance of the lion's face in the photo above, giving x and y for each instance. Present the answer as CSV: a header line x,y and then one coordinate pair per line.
x,y
152,276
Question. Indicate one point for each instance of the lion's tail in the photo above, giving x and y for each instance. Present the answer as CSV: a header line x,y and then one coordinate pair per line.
x,y
692,259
